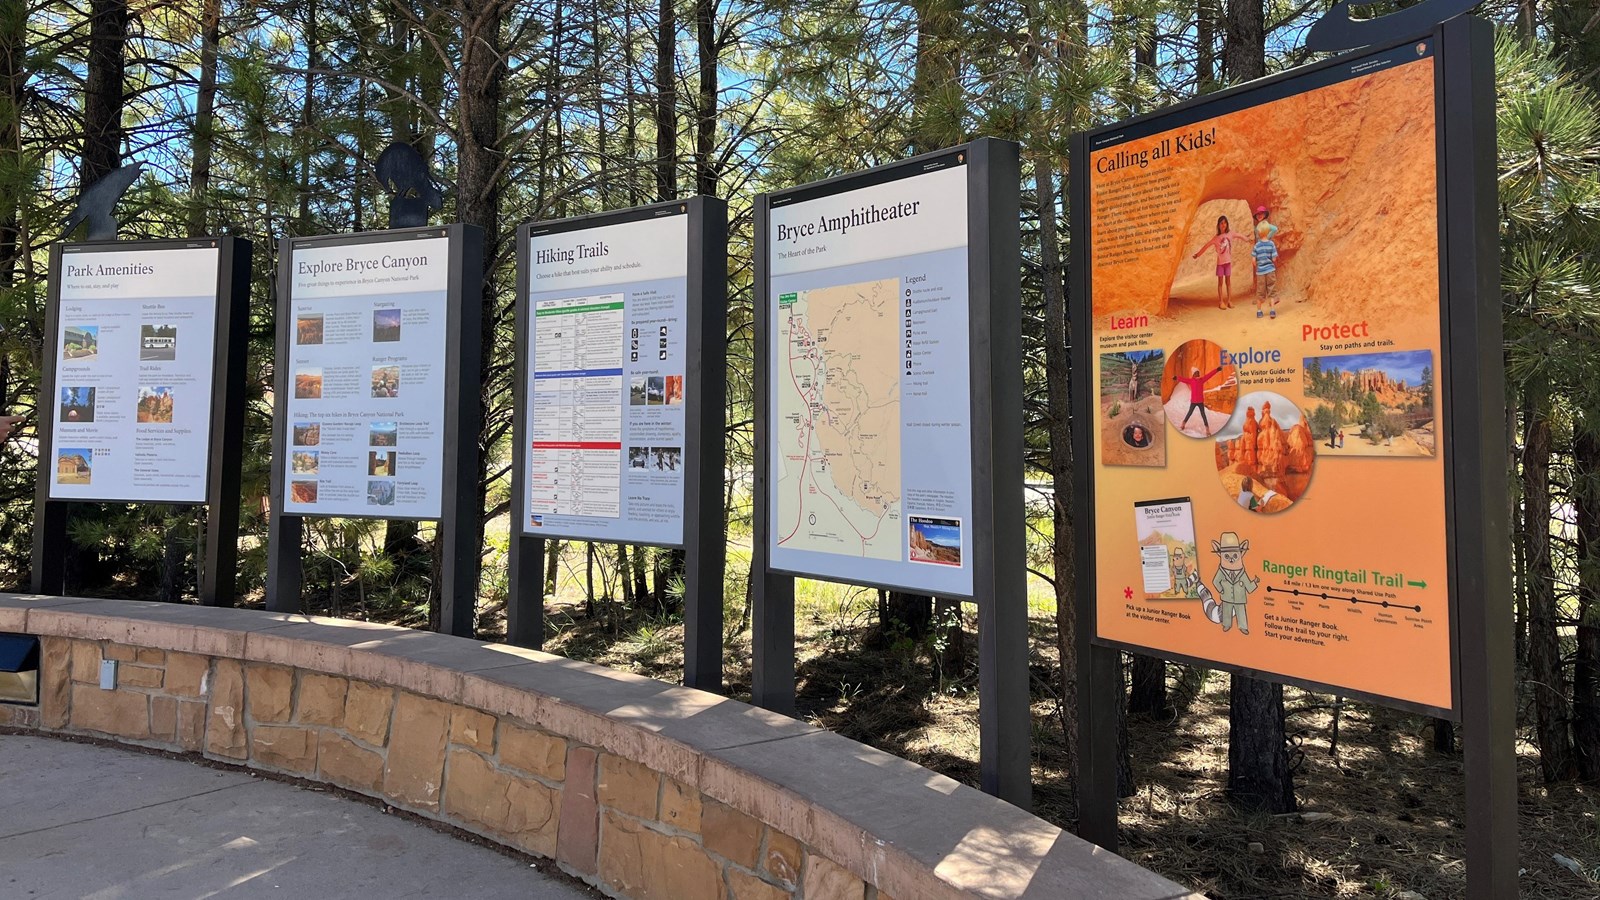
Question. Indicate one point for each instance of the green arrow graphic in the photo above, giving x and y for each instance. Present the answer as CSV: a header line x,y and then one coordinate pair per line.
x,y
1420,584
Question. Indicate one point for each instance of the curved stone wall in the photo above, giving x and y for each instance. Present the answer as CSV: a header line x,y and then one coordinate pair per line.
x,y
643,789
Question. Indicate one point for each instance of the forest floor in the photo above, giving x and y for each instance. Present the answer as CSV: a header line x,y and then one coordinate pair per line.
x,y
1380,815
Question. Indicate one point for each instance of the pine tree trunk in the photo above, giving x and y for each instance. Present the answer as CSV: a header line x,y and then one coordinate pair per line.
x,y
1258,750
1205,35
552,566
104,89
705,167
13,178
666,102
205,103
1244,47
1148,694
1551,711
1586,667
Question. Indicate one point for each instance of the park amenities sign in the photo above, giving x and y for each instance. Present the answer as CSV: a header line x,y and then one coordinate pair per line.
x,y
869,441
366,342
135,347
1264,356
604,391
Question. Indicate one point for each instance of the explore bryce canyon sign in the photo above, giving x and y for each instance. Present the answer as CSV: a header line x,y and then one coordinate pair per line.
x,y
1269,472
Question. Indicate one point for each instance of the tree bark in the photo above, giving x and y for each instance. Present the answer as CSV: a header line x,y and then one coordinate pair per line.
x,y
1551,710
705,169
1244,48
1586,668
1258,752
205,102
13,181
104,89
1205,36
1148,694
666,102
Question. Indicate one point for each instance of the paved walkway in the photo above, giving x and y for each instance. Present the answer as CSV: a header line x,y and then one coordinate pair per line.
x,y
83,821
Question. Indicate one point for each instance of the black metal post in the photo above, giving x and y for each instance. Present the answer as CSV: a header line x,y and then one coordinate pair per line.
x,y
999,565
220,573
284,532
1477,486
772,593
49,569
1098,669
705,537
525,555
461,524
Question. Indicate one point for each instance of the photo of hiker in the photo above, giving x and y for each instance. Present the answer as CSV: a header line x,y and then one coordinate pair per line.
x,y
1222,243
1198,391
1131,433
1266,454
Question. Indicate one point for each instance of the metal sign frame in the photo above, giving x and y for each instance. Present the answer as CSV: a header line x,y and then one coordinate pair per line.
x,y
459,525
1477,532
998,515
225,436
705,439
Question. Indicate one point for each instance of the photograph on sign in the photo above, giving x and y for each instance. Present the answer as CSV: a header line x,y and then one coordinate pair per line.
x,y
367,343
1266,327
135,356
606,354
870,381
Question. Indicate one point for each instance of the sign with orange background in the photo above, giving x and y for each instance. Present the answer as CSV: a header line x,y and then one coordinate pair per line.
x,y
1269,462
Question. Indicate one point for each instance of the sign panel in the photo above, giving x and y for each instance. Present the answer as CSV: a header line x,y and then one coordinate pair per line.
x,y
1269,481
604,395
367,340
869,374
135,349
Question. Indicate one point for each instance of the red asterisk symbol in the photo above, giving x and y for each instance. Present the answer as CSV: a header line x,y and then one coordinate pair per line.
x,y
1127,593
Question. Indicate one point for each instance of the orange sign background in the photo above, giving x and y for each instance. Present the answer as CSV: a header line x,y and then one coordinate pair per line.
x,y
1346,540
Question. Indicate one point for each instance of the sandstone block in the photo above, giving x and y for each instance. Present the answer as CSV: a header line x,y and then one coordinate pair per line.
x,y
414,769
55,671
734,836
150,656
121,652
827,880
139,676
322,699
744,886
579,837
518,810
681,806
225,717
270,690
348,764
783,857
533,751
186,674
638,862
471,728
191,725
284,747
628,787
86,662
122,713
163,718
367,708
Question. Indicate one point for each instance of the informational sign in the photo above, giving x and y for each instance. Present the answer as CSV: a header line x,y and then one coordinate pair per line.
x,y
135,355
869,374
365,411
1269,454
604,455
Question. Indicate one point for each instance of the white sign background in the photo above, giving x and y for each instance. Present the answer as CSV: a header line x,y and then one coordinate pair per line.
x,y
366,382
135,349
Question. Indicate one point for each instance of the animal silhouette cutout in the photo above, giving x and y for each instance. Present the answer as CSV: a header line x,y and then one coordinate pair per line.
x,y
98,200
1337,31
413,194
